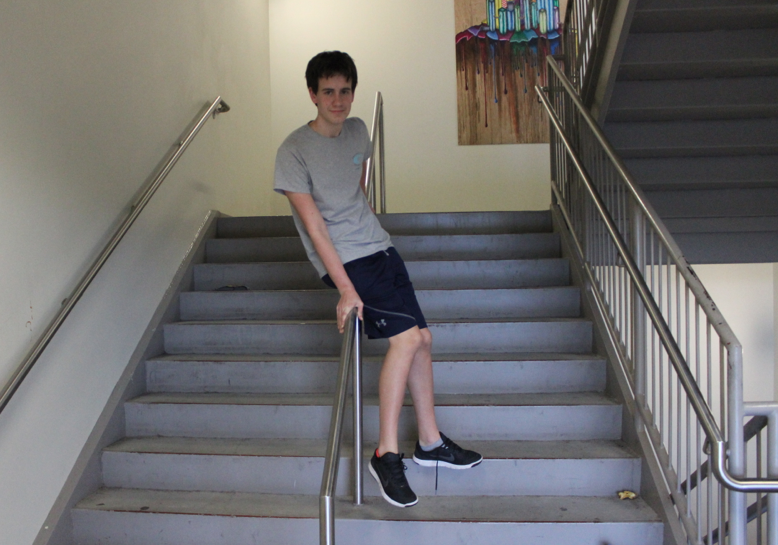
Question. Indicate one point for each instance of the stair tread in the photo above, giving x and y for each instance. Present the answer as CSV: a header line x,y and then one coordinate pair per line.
x,y
491,450
430,321
235,293
249,358
441,400
566,509
400,223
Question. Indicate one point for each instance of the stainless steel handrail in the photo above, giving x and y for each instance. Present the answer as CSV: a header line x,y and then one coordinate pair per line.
x,y
12,385
377,135
350,360
711,428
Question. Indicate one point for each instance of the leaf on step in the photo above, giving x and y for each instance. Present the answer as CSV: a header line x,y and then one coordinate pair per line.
x,y
627,495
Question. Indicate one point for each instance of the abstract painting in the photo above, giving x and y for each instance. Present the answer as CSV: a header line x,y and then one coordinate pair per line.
x,y
501,49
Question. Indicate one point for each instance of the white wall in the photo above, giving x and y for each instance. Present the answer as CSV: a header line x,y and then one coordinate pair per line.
x,y
405,49
94,93
746,296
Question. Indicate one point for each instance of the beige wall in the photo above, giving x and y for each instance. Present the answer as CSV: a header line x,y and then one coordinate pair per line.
x,y
405,49
94,94
746,296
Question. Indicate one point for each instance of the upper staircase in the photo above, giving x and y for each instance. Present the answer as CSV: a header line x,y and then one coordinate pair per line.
x,y
694,115
227,444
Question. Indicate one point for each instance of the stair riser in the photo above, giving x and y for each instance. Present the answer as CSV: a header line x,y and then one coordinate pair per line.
x,y
710,19
118,528
493,377
523,246
695,138
466,223
705,172
436,304
734,45
531,423
323,339
302,475
718,98
424,274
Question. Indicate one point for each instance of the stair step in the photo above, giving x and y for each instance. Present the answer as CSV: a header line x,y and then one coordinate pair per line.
x,y
518,273
682,55
454,373
682,4
694,138
510,468
140,517
537,417
687,18
321,337
432,247
667,173
482,304
712,98
449,223
717,204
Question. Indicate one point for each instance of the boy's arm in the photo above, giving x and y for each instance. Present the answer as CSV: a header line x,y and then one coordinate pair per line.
x,y
317,230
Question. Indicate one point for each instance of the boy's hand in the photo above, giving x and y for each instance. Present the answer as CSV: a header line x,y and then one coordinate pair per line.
x,y
348,300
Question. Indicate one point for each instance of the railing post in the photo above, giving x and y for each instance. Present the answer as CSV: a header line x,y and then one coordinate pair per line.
x,y
772,473
736,444
357,406
639,331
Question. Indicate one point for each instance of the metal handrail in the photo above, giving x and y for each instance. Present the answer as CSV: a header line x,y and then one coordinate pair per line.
x,y
377,135
12,385
719,323
701,408
350,360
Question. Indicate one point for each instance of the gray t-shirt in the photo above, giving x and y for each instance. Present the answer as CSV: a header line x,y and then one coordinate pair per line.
x,y
329,169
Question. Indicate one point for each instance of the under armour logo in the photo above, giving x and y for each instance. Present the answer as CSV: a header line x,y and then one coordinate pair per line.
x,y
380,323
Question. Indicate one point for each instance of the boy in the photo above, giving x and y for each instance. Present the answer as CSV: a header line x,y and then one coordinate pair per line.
x,y
321,169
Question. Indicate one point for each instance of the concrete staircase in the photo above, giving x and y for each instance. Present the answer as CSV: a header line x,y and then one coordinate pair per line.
x,y
694,113
227,444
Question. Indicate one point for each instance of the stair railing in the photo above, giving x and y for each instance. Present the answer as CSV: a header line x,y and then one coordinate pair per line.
x,y
376,177
218,106
584,29
350,361
681,362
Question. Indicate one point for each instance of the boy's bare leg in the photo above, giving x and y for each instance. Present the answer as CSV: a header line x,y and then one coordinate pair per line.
x,y
407,362
421,386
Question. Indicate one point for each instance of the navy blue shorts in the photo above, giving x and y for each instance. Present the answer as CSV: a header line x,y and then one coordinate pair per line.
x,y
382,282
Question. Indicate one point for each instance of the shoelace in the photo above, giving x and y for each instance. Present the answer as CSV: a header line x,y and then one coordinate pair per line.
x,y
398,470
448,444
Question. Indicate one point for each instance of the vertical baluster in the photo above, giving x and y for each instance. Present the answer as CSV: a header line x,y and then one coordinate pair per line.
x,y
699,431
758,494
660,299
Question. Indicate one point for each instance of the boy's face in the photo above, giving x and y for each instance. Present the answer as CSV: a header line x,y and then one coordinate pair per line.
x,y
333,100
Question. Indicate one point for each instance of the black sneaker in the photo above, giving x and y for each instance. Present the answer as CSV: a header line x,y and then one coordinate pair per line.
x,y
389,472
449,454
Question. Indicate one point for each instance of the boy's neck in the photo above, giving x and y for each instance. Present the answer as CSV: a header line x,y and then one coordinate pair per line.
x,y
321,126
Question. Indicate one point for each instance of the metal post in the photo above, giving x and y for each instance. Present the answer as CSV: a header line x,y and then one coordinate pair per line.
x,y
357,385
639,331
772,473
736,459
326,520
382,165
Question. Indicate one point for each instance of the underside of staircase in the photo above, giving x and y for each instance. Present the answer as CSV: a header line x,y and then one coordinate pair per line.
x,y
227,444
694,114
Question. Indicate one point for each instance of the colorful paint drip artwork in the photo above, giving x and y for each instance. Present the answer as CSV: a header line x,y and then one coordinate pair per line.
x,y
501,51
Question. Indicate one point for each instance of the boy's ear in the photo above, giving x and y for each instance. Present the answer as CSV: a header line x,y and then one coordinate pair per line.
x,y
312,94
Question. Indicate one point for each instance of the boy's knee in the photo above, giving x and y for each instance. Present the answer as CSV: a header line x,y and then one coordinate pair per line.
x,y
426,338
410,339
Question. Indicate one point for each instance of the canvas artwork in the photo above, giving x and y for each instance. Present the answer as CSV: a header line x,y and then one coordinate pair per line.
x,y
501,49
